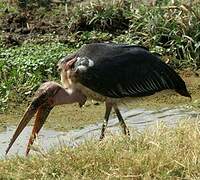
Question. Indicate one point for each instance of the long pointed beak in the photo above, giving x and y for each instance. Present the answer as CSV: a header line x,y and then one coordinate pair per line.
x,y
42,106
24,121
41,116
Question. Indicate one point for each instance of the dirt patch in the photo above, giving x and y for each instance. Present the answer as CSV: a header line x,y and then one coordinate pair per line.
x,y
18,27
61,21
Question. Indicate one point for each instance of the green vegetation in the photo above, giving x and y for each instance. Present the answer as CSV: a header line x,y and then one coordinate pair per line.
x,y
159,153
171,30
24,68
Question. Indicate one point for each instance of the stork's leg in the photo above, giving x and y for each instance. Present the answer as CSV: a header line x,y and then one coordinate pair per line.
x,y
121,120
106,117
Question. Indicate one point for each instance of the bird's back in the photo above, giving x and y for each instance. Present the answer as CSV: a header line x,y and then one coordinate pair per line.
x,y
105,51
118,71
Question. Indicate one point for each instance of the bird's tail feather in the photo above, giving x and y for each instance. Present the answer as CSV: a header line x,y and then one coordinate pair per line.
x,y
183,92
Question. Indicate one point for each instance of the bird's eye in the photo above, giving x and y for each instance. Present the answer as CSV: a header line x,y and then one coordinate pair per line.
x,y
59,69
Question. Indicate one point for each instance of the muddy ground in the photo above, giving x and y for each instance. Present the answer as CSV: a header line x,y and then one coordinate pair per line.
x,y
30,26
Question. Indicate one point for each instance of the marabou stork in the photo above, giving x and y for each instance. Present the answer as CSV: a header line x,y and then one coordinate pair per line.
x,y
103,72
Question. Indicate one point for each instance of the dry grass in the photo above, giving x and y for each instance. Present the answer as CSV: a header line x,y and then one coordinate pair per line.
x,y
158,153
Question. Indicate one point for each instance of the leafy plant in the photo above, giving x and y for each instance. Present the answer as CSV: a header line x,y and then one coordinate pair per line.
x,y
175,29
23,68
106,16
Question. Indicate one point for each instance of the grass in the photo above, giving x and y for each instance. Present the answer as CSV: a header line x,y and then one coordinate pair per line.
x,y
158,153
169,29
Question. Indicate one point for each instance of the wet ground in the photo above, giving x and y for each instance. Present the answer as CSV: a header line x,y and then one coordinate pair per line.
x,y
136,118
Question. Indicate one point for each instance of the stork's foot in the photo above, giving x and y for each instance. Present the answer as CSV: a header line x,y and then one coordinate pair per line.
x,y
47,96
125,129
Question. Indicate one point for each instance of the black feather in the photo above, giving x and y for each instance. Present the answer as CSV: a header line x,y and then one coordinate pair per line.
x,y
127,71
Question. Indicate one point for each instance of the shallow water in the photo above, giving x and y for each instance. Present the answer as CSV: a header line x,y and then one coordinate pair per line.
x,y
136,118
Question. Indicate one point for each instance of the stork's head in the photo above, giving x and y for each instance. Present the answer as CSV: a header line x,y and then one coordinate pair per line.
x,y
64,67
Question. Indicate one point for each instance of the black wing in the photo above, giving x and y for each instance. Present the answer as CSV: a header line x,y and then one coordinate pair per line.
x,y
125,71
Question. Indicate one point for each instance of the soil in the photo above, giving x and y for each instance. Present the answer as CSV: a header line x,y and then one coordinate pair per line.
x,y
27,26
43,24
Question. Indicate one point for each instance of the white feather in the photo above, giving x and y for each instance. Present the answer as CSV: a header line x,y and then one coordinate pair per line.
x,y
91,63
82,68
